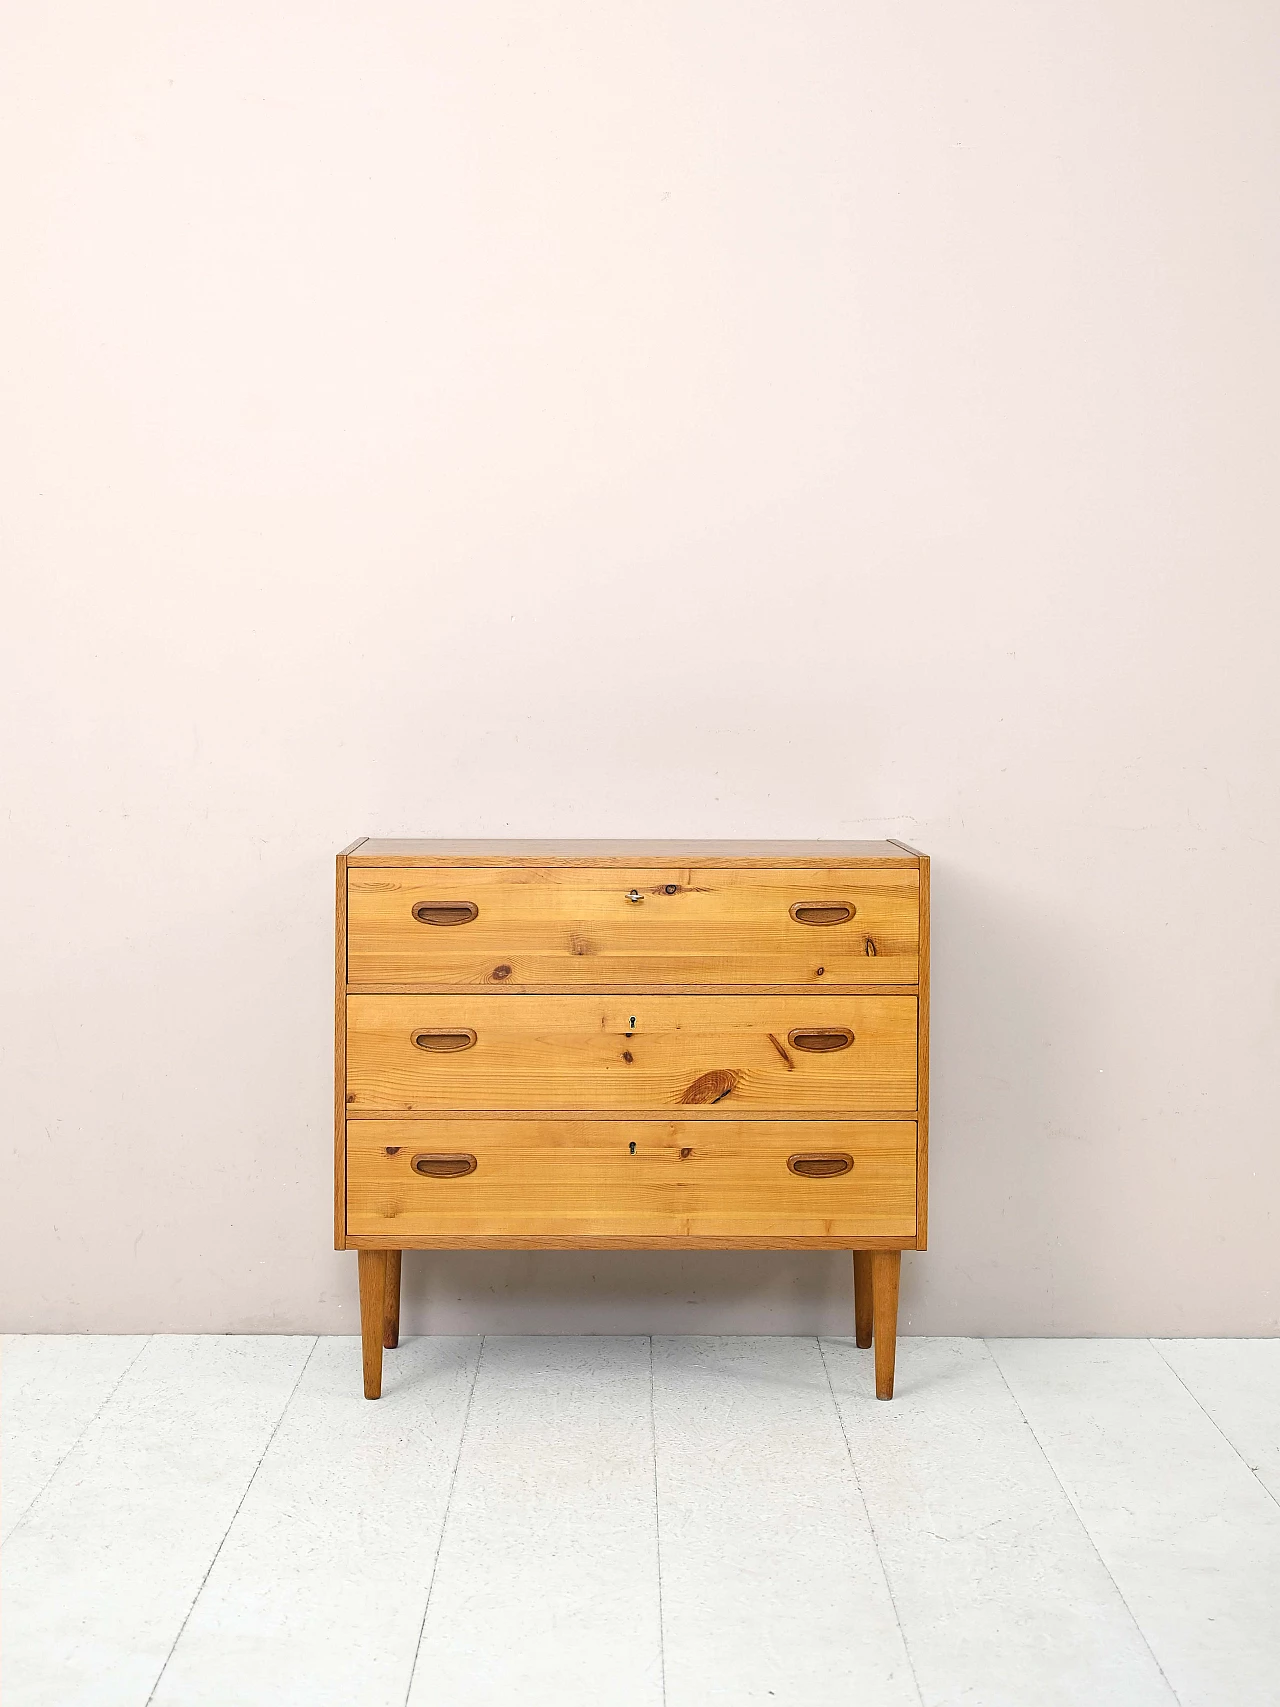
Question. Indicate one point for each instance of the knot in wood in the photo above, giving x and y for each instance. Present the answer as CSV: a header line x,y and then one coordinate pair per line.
x,y
712,1086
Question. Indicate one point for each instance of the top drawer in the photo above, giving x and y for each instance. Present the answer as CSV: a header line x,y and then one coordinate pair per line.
x,y
566,928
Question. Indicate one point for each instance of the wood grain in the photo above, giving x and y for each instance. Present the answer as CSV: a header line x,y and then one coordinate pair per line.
x,y
886,1266
649,1053
619,1242
340,1052
577,1180
391,1303
373,1303
922,1067
862,1291
424,851
571,928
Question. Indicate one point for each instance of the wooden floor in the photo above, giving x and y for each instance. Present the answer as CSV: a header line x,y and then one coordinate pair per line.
x,y
225,1522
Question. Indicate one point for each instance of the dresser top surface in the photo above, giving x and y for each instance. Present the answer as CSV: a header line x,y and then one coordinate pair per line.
x,y
422,851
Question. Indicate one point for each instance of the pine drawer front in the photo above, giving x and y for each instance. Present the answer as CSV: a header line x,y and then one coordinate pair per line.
x,y
567,928
714,1056
439,1182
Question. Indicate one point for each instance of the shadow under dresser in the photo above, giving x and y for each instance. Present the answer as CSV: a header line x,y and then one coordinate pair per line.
x,y
631,1046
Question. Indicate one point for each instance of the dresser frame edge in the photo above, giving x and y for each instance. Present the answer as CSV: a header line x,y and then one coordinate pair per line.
x,y
922,1068
624,1242
340,1049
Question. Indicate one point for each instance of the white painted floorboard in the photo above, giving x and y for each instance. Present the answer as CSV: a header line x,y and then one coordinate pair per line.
x,y
317,1595
51,1388
1189,1534
1003,1599
102,1572
547,1587
604,1521
1238,1384
772,1589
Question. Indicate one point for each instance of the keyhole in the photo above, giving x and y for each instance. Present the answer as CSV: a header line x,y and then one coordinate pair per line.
x,y
632,1022
631,1147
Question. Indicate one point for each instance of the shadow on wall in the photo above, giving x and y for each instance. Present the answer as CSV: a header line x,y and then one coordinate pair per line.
x,y
1027,1203
627,1292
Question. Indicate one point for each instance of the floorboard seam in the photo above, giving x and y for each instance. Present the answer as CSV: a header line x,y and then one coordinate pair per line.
x,y
93,1419
231,1525
444,1519
1070,1499
875,1539
1231,1443
657,1529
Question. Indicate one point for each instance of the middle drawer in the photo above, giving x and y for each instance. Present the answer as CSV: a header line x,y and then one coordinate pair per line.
x,y
718,1054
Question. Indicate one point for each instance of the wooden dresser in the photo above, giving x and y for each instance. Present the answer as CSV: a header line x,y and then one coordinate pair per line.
x,y
632,1045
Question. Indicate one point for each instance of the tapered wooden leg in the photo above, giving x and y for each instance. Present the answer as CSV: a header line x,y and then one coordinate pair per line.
x,y
391,1315
862,1297
886,1266
373,1307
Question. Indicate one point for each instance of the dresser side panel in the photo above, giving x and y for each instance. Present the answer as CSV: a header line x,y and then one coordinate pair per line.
x,y
340,1057
922,1072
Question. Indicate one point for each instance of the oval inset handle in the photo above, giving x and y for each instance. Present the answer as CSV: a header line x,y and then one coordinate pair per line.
x,y
820,1039
436,1166
445,1042
822,912
825,1166
445,912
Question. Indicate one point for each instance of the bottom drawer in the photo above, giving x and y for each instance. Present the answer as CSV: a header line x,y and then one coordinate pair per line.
x,y
451,1181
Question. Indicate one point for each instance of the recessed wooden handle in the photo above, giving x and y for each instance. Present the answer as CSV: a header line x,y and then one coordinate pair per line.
x,y
824,1166
821,1039
822,912
446,912
436,1166
444,1042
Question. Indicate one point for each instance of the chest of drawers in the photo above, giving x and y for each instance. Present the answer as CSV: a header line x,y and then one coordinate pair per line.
x,y
632,1045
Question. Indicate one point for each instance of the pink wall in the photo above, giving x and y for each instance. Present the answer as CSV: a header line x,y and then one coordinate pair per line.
x,y
716,419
